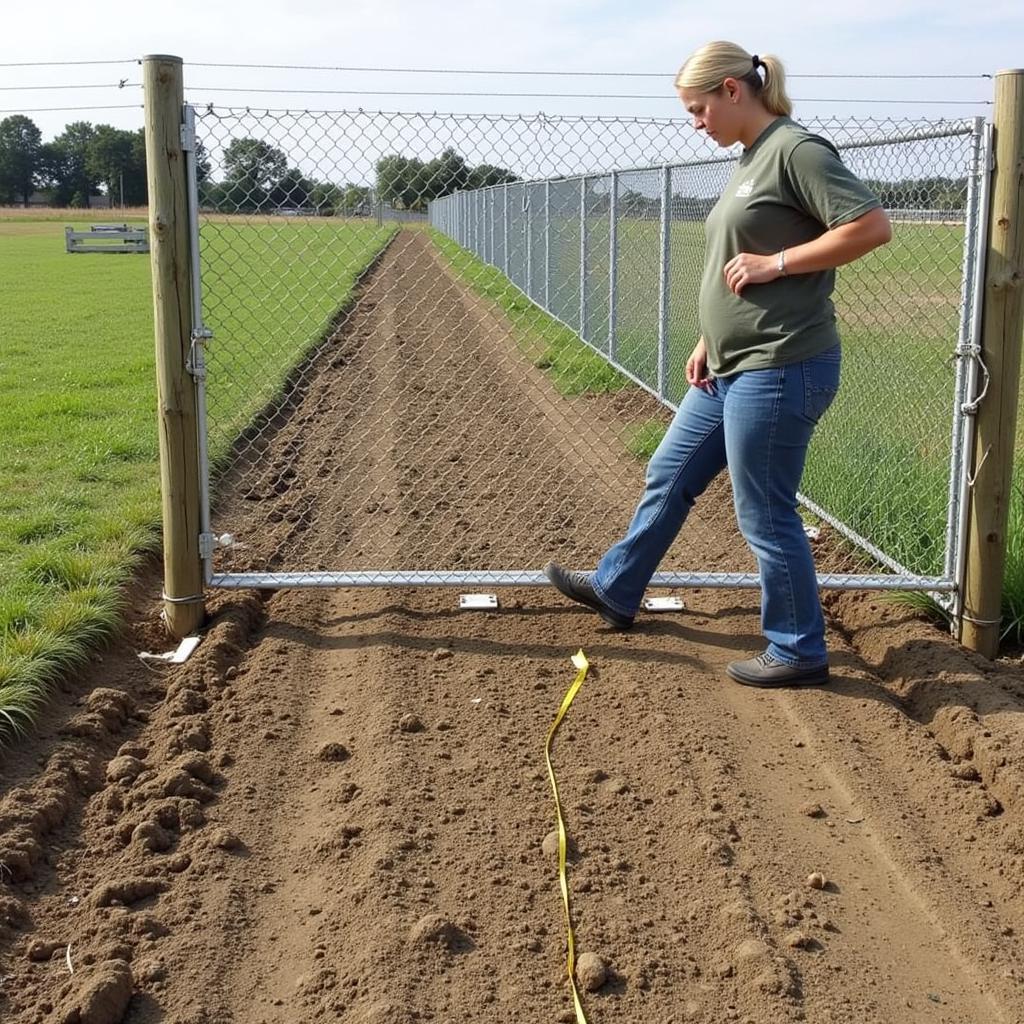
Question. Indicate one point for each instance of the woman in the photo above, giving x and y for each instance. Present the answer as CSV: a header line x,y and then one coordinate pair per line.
x,y
766,366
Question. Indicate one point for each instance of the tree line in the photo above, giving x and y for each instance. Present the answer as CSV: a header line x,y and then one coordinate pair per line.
x,y
256,176
73,166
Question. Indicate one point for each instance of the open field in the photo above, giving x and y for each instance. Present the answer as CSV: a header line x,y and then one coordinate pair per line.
x,y
336,811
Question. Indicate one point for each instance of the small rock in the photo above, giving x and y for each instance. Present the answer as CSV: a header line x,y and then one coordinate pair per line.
x,y
434,929
550,845
812,810
591,971
816,880
410,723
40,951
797,939
334,752
124,769
152,838
442,654
751,949
224,839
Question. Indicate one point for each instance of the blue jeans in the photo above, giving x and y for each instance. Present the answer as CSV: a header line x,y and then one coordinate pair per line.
x,y
758,423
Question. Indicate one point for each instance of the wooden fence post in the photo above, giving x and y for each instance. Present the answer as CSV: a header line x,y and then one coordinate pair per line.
x,y
172,315
1002,326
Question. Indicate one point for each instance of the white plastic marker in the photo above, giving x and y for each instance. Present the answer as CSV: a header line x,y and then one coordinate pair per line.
x,y
175,657
579,660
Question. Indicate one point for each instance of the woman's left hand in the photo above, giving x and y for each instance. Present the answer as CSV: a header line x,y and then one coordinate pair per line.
x,y
746,268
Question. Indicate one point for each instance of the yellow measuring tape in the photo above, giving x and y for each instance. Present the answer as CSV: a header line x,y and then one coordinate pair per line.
x,y
580,661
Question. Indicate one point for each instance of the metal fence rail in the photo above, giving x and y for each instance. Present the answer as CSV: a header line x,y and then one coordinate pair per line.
x,y
476,394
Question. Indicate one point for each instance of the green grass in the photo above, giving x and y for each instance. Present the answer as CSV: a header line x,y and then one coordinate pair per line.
x,y
573,367
642,439
79,480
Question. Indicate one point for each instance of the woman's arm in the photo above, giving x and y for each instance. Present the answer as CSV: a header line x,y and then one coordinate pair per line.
x,y
840,245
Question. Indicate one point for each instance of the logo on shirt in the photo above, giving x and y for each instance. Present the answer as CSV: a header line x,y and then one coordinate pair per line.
x,y
745,189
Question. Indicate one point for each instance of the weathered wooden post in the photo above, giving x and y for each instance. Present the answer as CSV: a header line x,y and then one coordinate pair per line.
x,y
172,315
1002,326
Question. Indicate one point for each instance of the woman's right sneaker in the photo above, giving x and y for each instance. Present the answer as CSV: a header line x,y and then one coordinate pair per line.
x,y
577,587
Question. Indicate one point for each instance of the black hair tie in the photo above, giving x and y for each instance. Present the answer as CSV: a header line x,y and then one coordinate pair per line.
x,y
757,61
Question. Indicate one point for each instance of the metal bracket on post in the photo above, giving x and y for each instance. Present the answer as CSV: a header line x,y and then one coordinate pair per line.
x,y
207,545
188,138
195,365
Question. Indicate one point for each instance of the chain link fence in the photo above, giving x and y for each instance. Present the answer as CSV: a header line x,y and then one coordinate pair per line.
x,y
396,400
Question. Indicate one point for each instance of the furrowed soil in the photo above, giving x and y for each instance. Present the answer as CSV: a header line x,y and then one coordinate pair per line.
x,y
337,809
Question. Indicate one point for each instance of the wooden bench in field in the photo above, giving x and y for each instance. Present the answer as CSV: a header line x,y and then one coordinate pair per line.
x,y
107,238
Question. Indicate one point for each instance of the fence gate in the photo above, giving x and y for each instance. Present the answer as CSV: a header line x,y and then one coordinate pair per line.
x,y
438,349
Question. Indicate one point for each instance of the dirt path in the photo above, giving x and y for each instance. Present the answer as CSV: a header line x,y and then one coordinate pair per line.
x,y
335,811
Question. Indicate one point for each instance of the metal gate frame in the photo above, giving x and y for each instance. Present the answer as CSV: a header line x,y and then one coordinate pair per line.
x,y
947,589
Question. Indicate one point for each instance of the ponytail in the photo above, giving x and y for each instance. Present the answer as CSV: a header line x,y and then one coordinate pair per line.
x,y
713,63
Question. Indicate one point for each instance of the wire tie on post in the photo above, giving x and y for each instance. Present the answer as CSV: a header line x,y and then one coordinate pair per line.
x,y
981,622
973,479
195,599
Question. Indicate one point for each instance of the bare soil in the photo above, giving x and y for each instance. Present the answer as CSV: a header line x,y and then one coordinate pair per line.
x,y
336,809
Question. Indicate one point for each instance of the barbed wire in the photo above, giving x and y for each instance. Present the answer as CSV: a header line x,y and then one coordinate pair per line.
x,y
52,110
122,84
493,71
64,63
470,71
541,95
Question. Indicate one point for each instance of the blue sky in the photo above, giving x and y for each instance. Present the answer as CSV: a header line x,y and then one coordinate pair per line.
x,y
870,38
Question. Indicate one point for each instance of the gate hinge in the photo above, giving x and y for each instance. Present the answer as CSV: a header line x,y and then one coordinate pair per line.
x,y
207,544
195,365
188,139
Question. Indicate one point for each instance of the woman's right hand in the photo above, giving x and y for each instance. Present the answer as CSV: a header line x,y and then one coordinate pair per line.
x,y
697,367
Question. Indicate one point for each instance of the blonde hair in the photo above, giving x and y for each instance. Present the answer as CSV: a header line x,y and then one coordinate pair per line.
x,y
713,63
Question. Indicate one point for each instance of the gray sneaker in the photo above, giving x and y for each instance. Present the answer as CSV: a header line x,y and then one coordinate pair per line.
x,y
768,672
577,587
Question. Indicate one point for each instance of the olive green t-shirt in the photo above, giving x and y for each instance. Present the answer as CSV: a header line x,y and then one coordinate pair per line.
x,y
788,188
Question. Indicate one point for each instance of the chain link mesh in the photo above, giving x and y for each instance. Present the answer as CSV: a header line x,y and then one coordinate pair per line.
x,y
480,391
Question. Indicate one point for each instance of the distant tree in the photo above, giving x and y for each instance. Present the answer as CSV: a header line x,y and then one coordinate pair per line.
x,y
252,169
202,163
20,145
399,180
409,183
64,165
356,197
443,175
486,175
117,159
292,189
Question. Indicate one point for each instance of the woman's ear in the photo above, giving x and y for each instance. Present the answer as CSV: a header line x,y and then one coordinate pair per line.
x,y
732,90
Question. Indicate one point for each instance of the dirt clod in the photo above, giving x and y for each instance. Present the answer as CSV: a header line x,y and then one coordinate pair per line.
x,y
591,971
